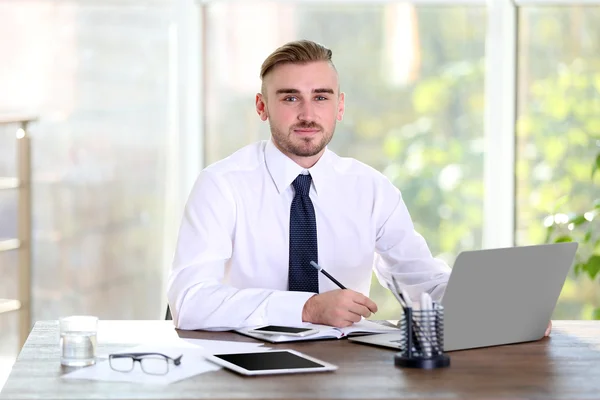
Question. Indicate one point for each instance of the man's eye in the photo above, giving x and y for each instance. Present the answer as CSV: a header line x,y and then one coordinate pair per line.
x,y
290,98
321,98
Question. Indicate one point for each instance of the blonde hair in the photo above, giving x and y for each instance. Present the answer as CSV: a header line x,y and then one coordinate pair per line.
x,y
297,52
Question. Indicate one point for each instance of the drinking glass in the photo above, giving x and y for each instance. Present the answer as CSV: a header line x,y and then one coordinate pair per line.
x,y
78,341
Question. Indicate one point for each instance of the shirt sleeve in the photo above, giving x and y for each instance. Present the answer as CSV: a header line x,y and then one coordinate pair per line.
x,y
402,252
198,299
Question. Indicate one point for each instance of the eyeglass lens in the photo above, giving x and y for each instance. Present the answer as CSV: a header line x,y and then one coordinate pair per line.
x,y
151,364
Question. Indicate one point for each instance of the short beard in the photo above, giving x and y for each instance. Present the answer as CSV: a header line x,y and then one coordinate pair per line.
x,y
286,144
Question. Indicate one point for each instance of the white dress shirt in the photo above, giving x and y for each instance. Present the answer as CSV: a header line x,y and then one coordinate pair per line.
x,y
231,263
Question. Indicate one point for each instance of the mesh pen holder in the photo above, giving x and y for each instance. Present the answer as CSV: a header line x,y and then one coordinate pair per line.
x,y
422,339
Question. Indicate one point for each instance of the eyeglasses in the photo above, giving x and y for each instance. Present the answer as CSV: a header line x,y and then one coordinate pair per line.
x,y
151,363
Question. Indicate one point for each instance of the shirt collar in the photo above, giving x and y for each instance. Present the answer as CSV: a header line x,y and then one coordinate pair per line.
x,y
283,170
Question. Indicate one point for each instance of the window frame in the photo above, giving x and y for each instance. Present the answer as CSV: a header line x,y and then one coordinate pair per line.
x,y
499,222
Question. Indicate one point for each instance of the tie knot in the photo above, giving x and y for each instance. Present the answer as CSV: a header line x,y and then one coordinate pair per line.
x,y
302,184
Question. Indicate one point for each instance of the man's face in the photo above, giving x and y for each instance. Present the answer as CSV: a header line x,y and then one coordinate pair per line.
x,y
302,103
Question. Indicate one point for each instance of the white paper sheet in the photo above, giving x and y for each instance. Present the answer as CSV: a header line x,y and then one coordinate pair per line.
x,y
226,347
136,332
192,363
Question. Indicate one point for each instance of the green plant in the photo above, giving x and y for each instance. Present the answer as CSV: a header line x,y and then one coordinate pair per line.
x,y
582,228
558,132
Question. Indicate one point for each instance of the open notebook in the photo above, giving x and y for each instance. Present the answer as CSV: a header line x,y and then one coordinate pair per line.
x,y
325,332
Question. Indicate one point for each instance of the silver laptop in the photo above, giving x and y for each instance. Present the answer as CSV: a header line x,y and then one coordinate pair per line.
x,y
498,296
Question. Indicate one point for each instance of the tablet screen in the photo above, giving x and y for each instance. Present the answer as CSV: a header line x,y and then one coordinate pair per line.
x,y
268,361
276,328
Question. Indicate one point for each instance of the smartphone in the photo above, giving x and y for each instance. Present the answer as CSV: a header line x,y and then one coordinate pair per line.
x,y
284,330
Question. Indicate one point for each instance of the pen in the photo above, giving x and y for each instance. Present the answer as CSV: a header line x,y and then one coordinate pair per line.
x,y
319,268
402,293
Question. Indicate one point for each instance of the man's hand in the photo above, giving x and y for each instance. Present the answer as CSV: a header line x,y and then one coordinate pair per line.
x,y
339,308
549,329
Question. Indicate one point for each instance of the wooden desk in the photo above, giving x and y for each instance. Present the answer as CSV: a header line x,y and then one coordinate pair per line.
x,y
564,366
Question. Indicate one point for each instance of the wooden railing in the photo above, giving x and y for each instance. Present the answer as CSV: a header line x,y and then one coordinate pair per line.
x,y
22,243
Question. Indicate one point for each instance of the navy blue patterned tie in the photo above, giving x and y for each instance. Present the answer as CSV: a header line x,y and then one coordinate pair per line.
x,y
303,239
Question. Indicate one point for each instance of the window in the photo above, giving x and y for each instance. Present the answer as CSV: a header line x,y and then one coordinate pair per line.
x,y
97,74
414,80
558,133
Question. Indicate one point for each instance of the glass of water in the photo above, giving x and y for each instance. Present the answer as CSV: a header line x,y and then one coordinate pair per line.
x,y
78,341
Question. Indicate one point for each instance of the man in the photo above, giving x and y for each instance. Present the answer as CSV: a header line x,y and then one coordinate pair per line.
x,y
255,220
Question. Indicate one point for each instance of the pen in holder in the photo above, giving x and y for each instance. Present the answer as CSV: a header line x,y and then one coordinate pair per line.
x,y
422,339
